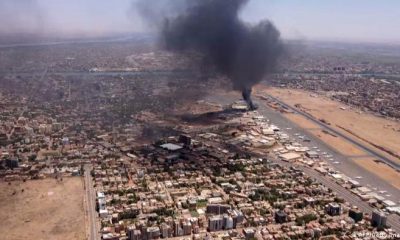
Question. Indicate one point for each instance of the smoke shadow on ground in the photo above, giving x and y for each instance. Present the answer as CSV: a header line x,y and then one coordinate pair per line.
x,y
214,117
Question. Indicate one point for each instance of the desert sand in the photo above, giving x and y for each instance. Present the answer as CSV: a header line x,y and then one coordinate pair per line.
x,y
42,209
385,172
364,127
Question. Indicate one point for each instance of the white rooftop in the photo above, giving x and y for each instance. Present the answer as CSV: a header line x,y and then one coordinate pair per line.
x,y
171,146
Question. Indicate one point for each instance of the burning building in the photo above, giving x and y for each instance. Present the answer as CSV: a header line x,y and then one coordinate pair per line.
x,y
243,52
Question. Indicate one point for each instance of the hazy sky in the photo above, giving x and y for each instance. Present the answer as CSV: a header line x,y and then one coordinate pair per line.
x,y
365,20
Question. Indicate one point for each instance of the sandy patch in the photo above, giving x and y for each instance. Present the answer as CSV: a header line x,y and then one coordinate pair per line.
x,y
302,121
337,143
381,170
377,130
42,209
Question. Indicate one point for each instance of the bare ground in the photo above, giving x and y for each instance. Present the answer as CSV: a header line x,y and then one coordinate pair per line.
x,y
381,169
361,126
42,209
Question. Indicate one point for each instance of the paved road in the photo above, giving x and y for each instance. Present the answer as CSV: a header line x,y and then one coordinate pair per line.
x,y
393,220
347,166
91,204
367,149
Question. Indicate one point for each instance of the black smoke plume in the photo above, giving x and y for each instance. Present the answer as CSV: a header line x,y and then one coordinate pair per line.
x,y
245,53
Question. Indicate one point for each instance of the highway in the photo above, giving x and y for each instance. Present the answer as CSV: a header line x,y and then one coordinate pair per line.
x,y
367,149
91,205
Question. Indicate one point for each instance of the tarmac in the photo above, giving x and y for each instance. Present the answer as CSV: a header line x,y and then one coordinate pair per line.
x,y
345,166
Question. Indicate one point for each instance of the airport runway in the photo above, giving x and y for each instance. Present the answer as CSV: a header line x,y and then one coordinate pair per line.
x,y
346,166
367,149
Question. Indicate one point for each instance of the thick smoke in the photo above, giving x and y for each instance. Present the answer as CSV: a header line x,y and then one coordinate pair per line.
x,y
244,53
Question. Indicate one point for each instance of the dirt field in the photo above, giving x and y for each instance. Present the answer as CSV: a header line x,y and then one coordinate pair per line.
x,y
339,145
367,127
45,209
344,147
302,121
362,127
383,170
379,169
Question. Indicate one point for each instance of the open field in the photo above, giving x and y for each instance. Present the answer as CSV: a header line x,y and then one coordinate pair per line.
x,y
360,127
344,147
42,209
346,164
363,127
382,170
302,121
